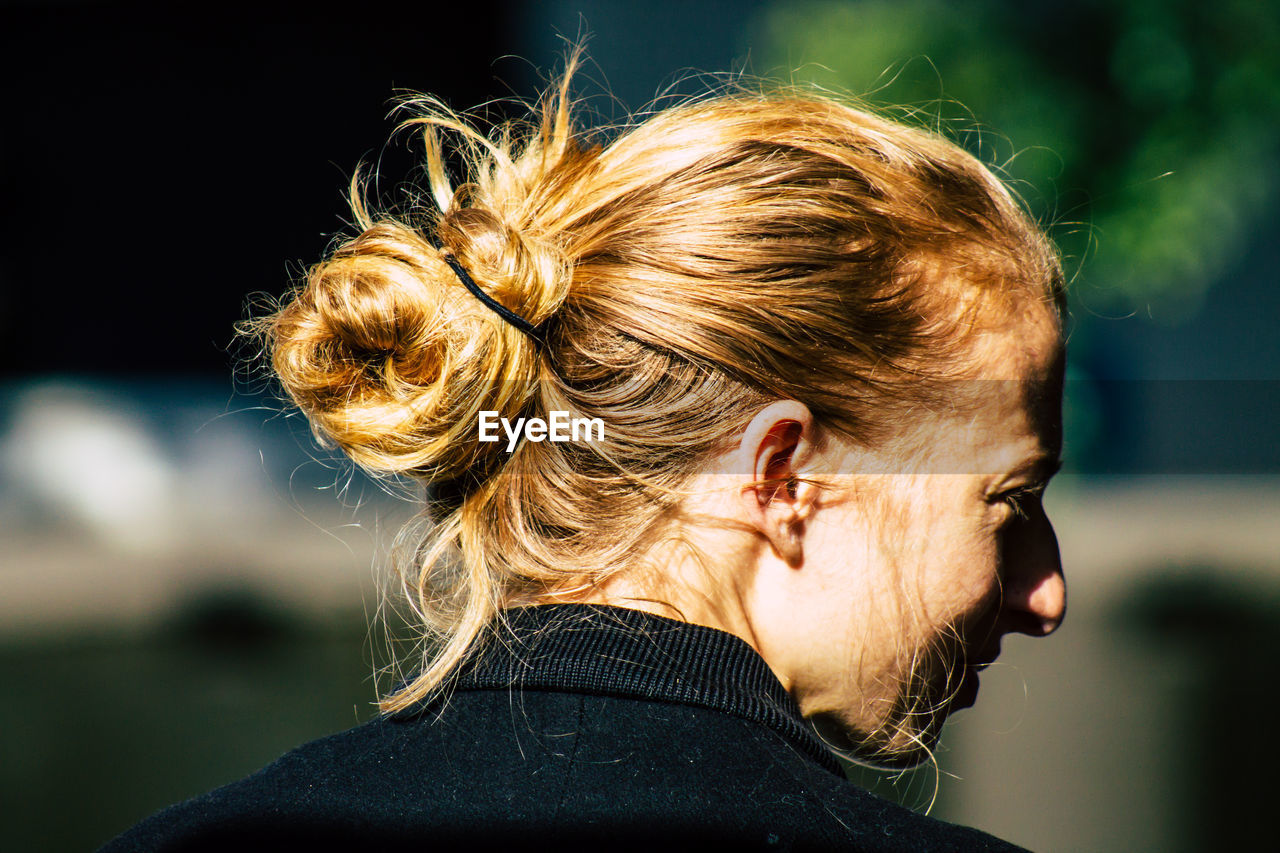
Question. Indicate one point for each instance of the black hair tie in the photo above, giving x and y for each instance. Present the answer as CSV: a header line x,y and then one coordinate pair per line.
x,y
537,333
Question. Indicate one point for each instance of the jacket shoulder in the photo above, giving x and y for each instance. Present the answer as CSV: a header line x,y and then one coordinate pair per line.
x,y
494,768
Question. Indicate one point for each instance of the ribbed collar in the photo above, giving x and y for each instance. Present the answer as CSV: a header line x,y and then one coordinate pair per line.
x,y
612,651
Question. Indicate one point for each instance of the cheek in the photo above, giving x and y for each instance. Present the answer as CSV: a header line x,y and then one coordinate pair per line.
x,y
849,580
962,573
853,605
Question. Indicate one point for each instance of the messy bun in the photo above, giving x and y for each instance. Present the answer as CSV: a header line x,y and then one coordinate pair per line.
x,y
724,253
392,359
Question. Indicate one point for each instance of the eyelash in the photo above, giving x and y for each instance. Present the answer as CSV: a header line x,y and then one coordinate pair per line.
x,y
1014,499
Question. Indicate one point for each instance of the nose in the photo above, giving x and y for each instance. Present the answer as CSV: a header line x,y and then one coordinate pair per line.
x,y
1035,591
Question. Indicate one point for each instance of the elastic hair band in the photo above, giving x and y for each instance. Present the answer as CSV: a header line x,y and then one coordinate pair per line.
x,y
536,332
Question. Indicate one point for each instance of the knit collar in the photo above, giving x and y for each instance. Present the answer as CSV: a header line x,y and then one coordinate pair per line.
x,y
613,651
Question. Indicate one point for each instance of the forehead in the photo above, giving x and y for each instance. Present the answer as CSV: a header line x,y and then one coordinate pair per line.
x,y
1024,346
1007,410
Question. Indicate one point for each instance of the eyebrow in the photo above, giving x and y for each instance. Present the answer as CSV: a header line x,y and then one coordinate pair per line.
x,y
1045,466
1039,468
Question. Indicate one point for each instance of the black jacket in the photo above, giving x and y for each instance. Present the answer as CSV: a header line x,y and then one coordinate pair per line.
x,y
582,728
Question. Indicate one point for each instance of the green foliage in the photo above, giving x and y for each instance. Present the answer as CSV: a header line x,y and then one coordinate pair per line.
x,y
1146,132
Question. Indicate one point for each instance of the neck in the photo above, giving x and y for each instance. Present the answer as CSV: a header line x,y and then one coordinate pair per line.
x,y
701,579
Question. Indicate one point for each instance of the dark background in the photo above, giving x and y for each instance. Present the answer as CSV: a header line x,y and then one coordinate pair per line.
x,y
162,161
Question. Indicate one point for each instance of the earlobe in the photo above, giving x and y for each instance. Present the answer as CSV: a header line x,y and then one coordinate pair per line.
x,y
792,505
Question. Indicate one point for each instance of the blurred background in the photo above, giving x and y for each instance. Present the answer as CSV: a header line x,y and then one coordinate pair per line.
x,y
186,581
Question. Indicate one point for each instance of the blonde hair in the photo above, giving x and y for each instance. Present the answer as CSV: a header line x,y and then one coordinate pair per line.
x,y
748,246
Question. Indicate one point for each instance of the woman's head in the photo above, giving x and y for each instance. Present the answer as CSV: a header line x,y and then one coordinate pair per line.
x,y
716,259
892,572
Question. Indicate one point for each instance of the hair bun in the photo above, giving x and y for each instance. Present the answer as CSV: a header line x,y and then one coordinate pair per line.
x,y
524,274
392,359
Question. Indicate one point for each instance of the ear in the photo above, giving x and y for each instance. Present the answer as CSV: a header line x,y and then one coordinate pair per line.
x,y
775,446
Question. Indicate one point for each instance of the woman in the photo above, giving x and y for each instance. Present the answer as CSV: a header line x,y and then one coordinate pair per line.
x,y
735,427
